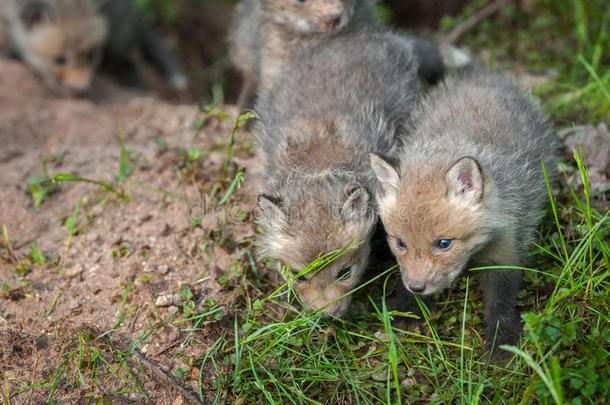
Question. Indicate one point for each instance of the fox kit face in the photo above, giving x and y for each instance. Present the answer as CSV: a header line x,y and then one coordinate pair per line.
x,y
298,236
64,46
310,16
435,219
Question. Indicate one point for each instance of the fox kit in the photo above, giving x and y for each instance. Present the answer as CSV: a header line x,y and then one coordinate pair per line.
x,y
267,33
65,40
314,137
469,192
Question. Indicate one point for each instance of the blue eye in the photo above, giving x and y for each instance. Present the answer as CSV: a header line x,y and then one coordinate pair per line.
x,y
60,60
444,244
401,245
344,273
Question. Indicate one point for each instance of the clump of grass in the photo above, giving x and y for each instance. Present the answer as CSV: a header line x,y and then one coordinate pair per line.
x,y
564,40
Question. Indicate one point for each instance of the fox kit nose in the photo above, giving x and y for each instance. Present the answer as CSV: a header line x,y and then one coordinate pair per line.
x,y
330,22
417,286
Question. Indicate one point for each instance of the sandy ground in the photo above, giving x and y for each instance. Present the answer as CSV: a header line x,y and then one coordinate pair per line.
x,y
127,260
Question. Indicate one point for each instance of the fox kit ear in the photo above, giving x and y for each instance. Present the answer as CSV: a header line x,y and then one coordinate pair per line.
x,y
36,12
386,174
356,204
464,180
270,208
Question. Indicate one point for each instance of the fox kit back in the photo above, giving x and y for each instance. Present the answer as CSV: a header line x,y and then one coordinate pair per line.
x,y
469,192
313,137
60,39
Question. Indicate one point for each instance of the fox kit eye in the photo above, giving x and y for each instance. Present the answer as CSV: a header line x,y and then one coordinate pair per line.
x,y
344,273
444,244
60,60
400,244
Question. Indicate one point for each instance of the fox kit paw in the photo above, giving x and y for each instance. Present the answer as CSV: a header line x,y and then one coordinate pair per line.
x,y
179,82
498,357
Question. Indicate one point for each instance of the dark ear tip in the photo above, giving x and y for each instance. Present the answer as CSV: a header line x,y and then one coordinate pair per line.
x,y
358,189
34,13
266,197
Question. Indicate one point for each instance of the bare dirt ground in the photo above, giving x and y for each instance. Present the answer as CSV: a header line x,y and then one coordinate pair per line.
x,y
127,262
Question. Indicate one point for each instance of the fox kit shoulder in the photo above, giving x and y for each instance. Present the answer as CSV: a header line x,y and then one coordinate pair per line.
x,y
469,191
313,137
65,40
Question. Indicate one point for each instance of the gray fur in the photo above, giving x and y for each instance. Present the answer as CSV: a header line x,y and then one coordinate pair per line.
x,y
352,95
489,117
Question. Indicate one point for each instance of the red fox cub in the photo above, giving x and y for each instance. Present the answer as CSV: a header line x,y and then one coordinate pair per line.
x,y
469,191
313,138
64,41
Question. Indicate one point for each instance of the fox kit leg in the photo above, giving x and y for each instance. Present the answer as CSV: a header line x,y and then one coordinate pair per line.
x,y
155,51
403,300
429,59
500,289
247,91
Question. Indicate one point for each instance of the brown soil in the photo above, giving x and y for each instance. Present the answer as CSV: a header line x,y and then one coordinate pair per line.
x,y
127,261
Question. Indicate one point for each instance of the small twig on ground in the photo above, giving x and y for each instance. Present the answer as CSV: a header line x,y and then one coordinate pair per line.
x,y
181,250
7,242
169,380
476,18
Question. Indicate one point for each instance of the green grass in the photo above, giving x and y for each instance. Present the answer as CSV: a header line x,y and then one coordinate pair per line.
x,y
568,41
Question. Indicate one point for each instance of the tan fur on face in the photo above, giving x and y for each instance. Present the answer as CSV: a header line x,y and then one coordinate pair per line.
x,y
313,226
322,287
313,16
420,213
76,37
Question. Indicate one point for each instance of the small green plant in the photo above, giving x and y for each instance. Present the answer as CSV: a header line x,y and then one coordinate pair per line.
x,y
242,118
39,187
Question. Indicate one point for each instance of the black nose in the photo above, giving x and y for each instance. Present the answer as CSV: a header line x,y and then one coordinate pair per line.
x,y
329,22
417,286
335,21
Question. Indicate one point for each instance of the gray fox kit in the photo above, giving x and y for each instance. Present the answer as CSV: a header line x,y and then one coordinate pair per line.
x,y
65,40
313,137
469,192
267,33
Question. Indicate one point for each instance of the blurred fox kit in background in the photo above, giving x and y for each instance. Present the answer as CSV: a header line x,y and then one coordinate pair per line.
x,y
266,34
314,137
64,41
470,191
